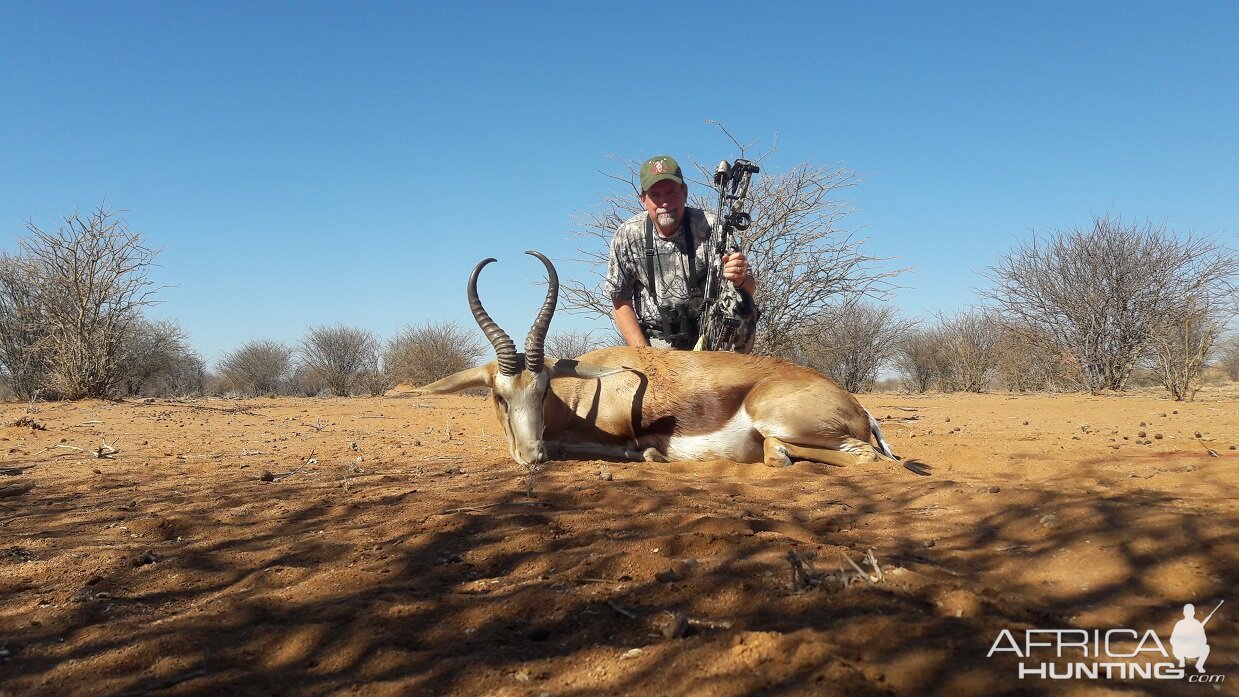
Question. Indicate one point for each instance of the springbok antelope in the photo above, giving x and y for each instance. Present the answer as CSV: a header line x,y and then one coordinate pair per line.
x,y
629,403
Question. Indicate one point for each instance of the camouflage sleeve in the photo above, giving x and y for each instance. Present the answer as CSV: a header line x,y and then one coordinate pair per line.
x,y
621,280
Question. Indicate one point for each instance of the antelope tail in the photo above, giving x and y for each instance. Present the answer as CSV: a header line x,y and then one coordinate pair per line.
x,y
877,435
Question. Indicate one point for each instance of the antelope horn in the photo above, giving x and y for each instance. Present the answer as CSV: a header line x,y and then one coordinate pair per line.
x,y
536,338
505,349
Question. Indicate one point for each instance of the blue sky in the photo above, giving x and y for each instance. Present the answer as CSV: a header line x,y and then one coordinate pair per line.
x,y
305,163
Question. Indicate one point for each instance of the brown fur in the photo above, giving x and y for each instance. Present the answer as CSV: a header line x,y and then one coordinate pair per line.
x,y
692,393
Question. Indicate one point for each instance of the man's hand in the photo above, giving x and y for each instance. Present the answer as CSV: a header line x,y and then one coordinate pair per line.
x,y
736,270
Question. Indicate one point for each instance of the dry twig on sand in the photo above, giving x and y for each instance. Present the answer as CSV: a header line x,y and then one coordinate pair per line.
x,y
872,561
105,450
860,573
621,610
1210,451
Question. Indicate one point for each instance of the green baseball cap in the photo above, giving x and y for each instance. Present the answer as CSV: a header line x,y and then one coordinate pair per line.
x,y
659,168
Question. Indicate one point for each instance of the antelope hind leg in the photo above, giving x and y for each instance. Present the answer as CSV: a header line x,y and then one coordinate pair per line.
x,y
780,453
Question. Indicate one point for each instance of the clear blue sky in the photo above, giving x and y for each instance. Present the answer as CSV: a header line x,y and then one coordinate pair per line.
x,y
304,163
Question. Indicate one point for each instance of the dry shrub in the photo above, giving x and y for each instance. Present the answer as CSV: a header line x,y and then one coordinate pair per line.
x,y
1228,357
850,344
575,342
423,353
257,368
339,356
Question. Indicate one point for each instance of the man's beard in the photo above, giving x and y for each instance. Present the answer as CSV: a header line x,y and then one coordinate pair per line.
x,y
664,217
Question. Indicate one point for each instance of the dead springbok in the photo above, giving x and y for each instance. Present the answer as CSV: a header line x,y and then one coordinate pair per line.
x,y
629,403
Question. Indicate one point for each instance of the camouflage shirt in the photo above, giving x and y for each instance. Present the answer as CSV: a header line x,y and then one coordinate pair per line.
x,y
627,271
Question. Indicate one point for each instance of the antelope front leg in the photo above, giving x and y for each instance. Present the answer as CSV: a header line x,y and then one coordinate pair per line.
x,y
601,451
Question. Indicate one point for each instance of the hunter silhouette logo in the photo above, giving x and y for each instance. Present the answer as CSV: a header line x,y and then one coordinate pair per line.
x,y
1112,654
1188,638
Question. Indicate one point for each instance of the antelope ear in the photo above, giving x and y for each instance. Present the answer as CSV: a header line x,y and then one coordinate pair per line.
x,y
480,376
570,368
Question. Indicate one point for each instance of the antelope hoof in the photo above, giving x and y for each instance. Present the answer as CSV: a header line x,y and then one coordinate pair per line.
x,y
653,455
778,457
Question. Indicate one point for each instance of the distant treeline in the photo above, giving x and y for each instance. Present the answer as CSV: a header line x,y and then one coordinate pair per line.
x,y
1093,308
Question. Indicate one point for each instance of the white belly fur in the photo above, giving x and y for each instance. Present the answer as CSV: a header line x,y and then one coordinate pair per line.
x,y
734,440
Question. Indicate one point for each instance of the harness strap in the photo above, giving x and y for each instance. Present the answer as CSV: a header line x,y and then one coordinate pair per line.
x,y
649,258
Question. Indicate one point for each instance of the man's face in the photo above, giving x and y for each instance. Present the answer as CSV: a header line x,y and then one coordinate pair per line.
x,y
665,203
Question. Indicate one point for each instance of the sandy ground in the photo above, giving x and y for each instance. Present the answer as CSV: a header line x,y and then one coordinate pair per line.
x,y
394,552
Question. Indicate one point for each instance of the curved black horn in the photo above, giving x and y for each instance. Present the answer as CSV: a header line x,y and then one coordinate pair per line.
x,y
505,349
536,338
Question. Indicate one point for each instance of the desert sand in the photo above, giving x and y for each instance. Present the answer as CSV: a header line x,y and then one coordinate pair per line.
x,y
385,546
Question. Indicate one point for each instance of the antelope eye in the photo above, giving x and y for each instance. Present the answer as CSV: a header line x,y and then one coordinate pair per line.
x,y
502,402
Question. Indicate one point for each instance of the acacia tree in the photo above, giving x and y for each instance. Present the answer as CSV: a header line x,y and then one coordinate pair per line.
x,y
339,355
1098,295
71,299
801,254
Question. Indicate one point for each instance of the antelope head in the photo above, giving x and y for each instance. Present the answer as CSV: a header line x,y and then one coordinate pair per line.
x,y
519,382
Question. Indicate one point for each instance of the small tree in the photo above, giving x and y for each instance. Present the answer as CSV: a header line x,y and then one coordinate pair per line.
x,y
1098,295
186,376
421,354
305,383
375,380
1181,348
339,355
920,359
257,368
969,350
1024,365
850,343
83,288
151,350
575,343
1228,357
